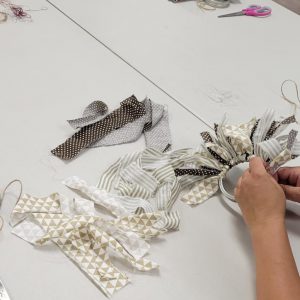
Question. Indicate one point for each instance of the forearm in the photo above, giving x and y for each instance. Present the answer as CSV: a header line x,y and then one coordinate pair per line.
x,y
277,277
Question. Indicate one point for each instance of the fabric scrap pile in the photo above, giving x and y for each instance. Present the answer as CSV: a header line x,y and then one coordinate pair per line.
x,y
124,125
199,171
233,145
140,189
87,238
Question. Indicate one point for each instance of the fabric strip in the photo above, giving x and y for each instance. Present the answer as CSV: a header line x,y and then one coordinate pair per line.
x,y
130,110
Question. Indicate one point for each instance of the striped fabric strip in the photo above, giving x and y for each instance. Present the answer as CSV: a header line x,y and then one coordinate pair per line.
x,y
139,211
269,149
152,159
186,181
169,221
139,192
262,128
262,149
133,190
107,179
164,173
124,189
134,174
253,131
163,196
175,192
296,148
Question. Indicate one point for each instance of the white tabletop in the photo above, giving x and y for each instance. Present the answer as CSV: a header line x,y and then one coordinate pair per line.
x,y
191,53
50,70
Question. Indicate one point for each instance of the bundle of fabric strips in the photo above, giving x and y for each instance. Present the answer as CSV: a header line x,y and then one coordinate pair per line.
x,y
124,125
87,238
139,190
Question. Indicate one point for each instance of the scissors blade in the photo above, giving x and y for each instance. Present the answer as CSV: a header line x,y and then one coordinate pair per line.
x,y
240,13
3,292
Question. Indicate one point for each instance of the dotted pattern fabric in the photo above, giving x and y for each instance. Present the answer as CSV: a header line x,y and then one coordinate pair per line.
x,y
276,125
154,125
271,130
206,137
130,110
291,139
218,157
203,171
94,112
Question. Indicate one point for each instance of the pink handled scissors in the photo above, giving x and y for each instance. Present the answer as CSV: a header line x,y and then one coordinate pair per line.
x,y
252,10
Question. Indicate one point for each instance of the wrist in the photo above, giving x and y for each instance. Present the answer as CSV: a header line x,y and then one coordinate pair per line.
x,y
267,228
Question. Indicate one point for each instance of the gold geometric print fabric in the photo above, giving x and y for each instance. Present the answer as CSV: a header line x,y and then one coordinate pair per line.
x,y
87,238
139,191
235,144
202,191
197,173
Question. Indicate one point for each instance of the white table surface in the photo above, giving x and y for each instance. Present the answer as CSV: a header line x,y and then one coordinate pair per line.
x,y
190,53
51,69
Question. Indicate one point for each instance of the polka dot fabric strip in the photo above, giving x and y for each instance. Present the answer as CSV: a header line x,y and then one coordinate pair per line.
x,y
204,171
94,112
130,110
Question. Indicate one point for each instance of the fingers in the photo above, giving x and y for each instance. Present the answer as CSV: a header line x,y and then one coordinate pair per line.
x,y
284,175
275,176
257,166
245,174
239,184
292,193
289,176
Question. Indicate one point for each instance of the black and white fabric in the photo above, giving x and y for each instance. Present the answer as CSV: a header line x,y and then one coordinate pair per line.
x,y
129,110
94,112
154,124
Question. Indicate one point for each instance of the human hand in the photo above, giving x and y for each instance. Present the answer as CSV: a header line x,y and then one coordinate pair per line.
x,y
289,179
259,196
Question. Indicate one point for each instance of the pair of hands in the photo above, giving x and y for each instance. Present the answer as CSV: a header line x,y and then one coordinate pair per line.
x,y
262,198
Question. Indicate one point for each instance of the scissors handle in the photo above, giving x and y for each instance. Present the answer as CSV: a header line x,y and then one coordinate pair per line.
x,y
252,7
261,12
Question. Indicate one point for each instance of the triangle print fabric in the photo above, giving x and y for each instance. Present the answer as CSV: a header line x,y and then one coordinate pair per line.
x,y
139,191
85,237
235,144
194,174
203,191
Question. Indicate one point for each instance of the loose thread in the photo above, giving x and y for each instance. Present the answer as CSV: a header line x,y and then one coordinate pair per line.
x,y
17,11
204,6
293,103
3,195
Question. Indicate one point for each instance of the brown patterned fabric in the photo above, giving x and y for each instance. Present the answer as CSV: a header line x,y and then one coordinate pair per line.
x,y
129,110
203,171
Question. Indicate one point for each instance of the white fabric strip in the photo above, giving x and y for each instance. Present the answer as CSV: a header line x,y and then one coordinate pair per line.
x,y
118,205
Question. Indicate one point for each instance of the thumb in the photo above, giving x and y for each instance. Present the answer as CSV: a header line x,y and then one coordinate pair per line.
x,y
256,166
292,193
